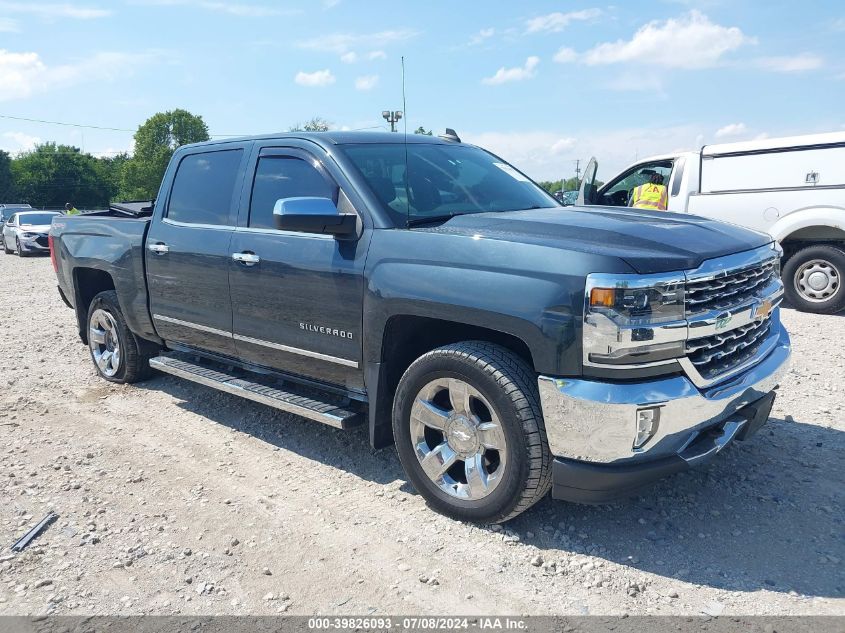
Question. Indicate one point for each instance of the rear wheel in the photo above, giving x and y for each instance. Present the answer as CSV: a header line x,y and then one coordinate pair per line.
x,y
813,279
113,347
469,432
6,248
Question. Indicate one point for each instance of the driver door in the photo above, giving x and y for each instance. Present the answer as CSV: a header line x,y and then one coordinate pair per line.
x,y
617,193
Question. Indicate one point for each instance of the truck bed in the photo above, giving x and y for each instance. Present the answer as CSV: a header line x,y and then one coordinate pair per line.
x,y
104,243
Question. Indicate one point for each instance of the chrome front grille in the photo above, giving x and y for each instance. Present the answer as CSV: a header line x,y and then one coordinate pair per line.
x,y
715,355
728,290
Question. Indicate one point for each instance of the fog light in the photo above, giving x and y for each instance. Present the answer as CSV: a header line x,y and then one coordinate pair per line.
x,y
647,421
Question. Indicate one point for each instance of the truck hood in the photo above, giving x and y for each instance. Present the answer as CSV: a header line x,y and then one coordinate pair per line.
x,y
648,241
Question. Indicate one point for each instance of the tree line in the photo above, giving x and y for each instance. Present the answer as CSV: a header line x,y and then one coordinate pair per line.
x,y
51,175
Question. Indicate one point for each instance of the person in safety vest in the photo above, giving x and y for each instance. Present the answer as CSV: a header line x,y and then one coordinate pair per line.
x,y
652,195
71,210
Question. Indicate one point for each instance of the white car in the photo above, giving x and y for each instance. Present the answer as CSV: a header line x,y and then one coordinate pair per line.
x,y
792,188
26,232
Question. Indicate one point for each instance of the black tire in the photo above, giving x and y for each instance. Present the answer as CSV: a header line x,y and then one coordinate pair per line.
x,y
134,365
795,286
510,386
6,248
18,251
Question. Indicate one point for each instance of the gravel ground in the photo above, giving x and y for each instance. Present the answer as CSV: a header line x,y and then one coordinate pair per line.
x,y
174,498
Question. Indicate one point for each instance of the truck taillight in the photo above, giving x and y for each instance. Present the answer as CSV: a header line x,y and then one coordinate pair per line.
x,y
52,253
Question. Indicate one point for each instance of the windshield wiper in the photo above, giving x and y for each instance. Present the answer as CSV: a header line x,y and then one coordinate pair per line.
x,y
433,218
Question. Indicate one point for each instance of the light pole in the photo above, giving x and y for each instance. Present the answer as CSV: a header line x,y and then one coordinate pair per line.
x,y
392,117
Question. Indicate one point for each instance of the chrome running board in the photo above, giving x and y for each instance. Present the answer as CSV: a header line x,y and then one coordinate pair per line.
x,y
288,400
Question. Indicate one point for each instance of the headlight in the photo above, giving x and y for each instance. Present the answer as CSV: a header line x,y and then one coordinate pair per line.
x,y
633,319
639,305
30,235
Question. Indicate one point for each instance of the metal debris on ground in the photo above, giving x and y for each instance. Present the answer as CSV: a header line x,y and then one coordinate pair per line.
x,y
27,538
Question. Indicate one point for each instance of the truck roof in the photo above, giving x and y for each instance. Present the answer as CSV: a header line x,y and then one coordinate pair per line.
x,y
804,140
337,138
759,145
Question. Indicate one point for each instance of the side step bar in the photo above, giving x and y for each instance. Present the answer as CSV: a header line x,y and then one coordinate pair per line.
x,y
285,400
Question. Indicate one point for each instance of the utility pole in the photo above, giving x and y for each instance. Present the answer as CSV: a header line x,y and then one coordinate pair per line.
x,y
577,172
392,117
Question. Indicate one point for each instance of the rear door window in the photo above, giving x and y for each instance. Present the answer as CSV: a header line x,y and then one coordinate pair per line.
x,y
204,187
278,177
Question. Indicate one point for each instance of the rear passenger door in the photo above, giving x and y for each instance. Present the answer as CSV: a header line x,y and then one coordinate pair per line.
x,y
187,249
297,307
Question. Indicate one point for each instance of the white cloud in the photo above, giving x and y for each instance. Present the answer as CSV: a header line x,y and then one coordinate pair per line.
x,y
341,43
562,145
504,75
8,25
352,57
367,82
691,41
316,79
248,10
732,129
21,142
25,74
557,21
54,11
791,63
565,55
481,36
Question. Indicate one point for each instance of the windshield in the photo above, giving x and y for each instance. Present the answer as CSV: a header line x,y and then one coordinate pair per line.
x,y
442,180
35,219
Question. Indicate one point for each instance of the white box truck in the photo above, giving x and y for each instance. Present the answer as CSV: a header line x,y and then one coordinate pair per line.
x,y
792,188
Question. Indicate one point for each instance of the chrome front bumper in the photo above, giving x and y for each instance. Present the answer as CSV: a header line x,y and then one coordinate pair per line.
x,y
594,421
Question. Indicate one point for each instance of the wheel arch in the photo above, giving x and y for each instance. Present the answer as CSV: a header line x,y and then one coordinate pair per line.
x,y
810,225
405,338
87,284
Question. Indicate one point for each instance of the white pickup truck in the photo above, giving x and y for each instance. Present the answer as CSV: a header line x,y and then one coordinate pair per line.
x,y
792,188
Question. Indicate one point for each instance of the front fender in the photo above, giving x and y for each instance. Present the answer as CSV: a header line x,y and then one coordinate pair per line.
x,y
828,216
531,292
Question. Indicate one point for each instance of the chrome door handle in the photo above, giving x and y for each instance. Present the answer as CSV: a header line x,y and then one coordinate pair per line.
x,y
250,259
158,249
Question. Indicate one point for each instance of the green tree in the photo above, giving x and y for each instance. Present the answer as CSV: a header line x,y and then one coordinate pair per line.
x,y
7,189
422,130
155,141
51,175
315,124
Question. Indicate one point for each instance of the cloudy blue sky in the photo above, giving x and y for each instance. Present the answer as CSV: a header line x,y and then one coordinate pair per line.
x,y
543,83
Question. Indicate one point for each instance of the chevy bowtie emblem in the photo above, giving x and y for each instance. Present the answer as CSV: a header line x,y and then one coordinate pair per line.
x,y
763,310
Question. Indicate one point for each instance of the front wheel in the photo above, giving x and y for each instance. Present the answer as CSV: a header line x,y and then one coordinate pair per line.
x,y
813,279
18,250
469,432
113,347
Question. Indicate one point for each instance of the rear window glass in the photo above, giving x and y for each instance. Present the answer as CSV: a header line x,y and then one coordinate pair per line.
x,y
36,219
204,187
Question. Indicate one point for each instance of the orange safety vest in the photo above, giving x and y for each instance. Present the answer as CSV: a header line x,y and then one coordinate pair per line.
x,y
650,196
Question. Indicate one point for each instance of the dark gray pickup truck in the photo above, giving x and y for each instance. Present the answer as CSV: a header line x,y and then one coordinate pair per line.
x,y
505,344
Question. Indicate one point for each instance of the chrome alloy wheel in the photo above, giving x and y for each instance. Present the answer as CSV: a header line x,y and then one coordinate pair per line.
x,y
103,341
817,280
458,439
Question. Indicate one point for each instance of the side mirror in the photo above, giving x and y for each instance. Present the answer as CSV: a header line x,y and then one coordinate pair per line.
x,y
313,215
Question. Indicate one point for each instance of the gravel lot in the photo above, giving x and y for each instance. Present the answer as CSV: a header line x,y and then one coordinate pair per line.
x,y
174,498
